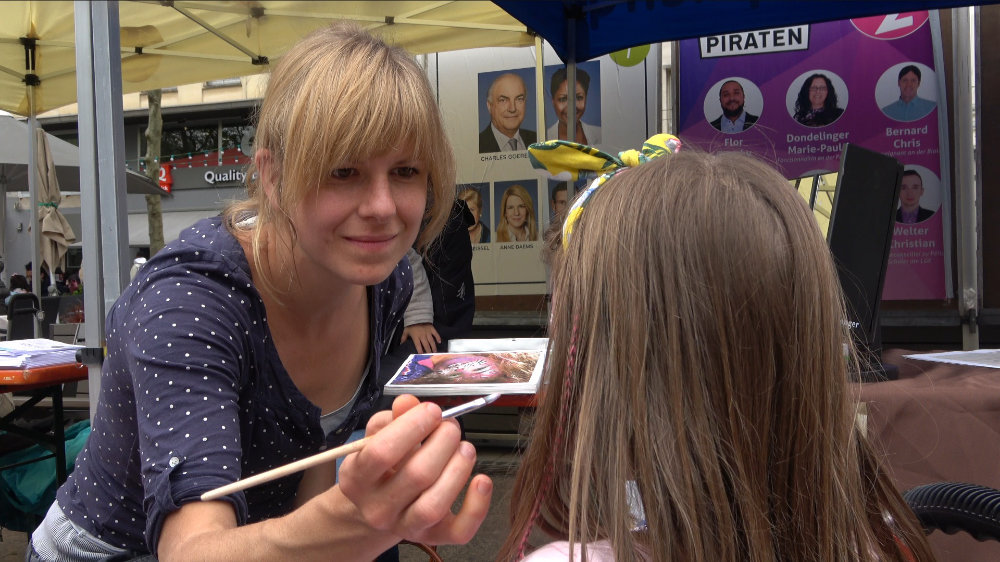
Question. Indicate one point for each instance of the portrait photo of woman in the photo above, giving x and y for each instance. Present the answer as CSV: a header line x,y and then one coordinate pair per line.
x,y
585,97
479,233
517,221
817,104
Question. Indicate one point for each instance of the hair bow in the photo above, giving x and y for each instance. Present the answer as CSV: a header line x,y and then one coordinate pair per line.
x,y
568,161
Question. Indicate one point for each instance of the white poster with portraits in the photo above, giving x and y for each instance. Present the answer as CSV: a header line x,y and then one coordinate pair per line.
x,y
494,107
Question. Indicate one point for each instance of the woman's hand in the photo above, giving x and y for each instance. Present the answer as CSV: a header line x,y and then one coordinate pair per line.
x,y
410,473
425,337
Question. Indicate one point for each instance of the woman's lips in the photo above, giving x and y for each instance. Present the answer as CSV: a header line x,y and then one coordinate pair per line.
x,y
372,242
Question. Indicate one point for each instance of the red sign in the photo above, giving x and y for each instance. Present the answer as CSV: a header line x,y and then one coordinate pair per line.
x,y
166,179
891,26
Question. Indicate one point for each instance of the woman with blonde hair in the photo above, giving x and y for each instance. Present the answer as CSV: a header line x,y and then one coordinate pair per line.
x,y
255,339
696,403
517,216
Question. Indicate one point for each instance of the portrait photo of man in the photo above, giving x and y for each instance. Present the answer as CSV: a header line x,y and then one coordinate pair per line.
x,y
910,192
559,199
909,106
734,118
506,99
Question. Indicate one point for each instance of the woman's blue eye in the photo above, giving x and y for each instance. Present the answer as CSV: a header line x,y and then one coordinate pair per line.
x,y
407,172
342,173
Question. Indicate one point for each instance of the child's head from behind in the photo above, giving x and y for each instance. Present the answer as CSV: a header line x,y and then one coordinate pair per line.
x,y
717,266
701,355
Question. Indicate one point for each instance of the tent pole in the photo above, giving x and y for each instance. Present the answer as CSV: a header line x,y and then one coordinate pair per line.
x,y
540,89
110,143
965,181
90,209
571,89
102,172
33,226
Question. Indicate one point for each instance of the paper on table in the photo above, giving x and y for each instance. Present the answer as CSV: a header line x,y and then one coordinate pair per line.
x,y
978,358
36,352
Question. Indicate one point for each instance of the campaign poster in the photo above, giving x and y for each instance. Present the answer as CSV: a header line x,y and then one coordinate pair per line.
x,y
496,102
795,95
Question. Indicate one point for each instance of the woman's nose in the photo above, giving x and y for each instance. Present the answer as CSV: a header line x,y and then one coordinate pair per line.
x,y
378,201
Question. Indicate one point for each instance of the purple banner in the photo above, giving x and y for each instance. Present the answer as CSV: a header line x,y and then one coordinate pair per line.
x,y
794,96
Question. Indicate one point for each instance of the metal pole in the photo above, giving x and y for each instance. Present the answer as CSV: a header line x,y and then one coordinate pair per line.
x,y
571,91
33,227
110,148
965,180
90,209
540,89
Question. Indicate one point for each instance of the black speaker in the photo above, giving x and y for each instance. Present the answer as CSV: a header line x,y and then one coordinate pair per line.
x,y
860,238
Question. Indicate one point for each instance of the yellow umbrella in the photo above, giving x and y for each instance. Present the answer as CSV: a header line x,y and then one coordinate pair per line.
x,y
56,233
164,45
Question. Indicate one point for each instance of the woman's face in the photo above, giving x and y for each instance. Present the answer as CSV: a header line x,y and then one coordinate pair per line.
x,y
817,93
516,212
359,222
560,102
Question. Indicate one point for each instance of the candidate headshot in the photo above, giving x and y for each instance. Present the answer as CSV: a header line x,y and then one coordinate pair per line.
x,y
910,192
816,104
517,221
909,106
479,233
586,132
559,199
734,118
505,101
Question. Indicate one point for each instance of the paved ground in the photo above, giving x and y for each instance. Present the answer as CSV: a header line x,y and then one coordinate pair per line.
x,y
500,464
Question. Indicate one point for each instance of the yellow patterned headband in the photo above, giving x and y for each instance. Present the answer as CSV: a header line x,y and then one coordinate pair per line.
x,y
565,160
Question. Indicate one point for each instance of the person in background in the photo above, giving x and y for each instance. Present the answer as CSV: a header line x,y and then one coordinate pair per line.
x,y
73,284
444,292
255,339
44,282
479,233
517,216
60,283
696,403
19,284
816,104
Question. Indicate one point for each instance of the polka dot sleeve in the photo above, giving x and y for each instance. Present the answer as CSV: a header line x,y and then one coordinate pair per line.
x,y
184,341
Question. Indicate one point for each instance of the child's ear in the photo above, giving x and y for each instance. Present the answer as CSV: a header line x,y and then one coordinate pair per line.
x,y
269,173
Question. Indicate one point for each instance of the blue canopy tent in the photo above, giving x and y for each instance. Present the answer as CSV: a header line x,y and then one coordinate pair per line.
x,y
580,30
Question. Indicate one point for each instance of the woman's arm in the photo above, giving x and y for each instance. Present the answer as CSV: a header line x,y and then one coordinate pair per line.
x,y
402,485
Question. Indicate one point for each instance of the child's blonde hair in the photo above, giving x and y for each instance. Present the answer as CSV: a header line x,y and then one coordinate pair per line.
x,y
697,350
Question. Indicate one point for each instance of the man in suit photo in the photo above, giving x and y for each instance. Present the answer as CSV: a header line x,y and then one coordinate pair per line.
x,y
733,119
910,192
505,100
